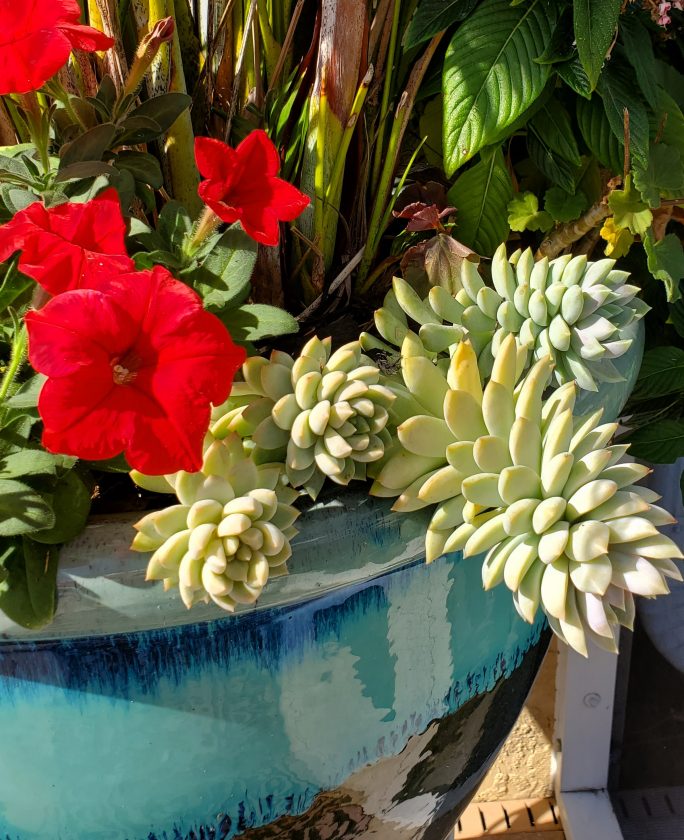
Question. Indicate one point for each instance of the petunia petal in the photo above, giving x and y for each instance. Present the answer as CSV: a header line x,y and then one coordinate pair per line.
x,y
86,38
286,201
261,223
258,155
65,247
78,330
215,160
86,415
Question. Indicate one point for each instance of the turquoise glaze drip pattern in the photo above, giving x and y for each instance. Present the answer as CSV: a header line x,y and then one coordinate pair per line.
x,y
131,719
237,721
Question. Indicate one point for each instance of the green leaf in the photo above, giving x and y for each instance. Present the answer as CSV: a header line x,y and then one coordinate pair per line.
x,y
432,16
481,195
16,199
22,509
148,259
524,213
671,80
661,373
665,261
89,146
595,22
661,442
671,119
490,74
71,504
28,591
552,124
174,224
223,278
140,129
254,321
27,462
142,166
558,170
164,110
560,47
83,169
574,76
563,206
618,95
629,210
639,52
664,174
598,135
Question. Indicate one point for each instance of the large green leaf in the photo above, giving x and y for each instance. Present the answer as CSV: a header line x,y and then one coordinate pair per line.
x,y
662,372
597,134
661,442
223,277
552,124
639,53
432,16
595,23
619,94
28,574
666,262
71,504
22,509
254,321
671,121
481,196
664,174
490,74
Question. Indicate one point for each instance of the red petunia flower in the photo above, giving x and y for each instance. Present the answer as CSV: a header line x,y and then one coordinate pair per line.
x,y
133,366
36,38
242,186
68,246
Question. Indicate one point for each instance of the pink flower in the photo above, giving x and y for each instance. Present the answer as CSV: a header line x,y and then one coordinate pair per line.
x,y
133,366
242,185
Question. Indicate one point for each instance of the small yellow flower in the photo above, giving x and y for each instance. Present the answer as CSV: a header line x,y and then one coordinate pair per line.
x,y
618,240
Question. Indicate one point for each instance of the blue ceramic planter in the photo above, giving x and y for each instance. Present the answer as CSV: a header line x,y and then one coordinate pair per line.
x,y
365,695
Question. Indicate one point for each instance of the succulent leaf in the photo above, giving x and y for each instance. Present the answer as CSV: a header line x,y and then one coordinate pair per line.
x,y
567,308
232,529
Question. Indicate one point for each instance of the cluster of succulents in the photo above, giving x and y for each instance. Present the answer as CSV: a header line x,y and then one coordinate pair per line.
x,y
230,532
570,310
324,414
462,425
541,491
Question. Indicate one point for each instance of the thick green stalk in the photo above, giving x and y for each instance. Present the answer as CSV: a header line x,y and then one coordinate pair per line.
x,y
335,182
166,75
340,56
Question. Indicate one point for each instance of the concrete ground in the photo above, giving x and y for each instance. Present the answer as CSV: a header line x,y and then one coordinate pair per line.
x,y
523,768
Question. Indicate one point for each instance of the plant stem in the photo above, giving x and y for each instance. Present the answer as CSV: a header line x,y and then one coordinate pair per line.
x,y
386,90
39,129
401,119
567,234
16,360
207,223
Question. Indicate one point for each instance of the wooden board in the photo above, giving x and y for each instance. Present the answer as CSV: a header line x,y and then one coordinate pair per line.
x,y
517,819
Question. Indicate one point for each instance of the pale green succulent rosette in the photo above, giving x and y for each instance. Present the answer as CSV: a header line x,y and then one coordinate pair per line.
x,y
542,492
324,414
230,532
571,310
